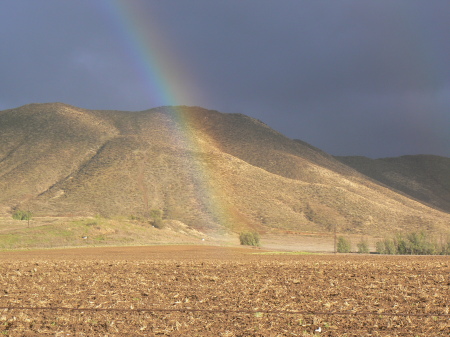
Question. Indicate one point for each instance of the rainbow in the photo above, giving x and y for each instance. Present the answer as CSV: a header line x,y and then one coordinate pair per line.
x,y
168,83
163,74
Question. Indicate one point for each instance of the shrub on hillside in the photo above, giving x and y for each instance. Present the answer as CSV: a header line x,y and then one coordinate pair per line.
x,y
158,223
157,218
249,238
156,214
343,245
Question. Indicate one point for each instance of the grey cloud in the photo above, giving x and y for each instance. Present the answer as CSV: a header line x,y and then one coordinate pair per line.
x,y
351,77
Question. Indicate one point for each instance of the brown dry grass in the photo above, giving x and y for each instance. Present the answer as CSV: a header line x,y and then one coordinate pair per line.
x,y
212,291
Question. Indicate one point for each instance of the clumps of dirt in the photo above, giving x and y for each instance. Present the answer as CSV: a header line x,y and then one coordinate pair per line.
x,y
217,291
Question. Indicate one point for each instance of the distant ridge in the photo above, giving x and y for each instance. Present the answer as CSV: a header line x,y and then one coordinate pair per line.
x,y
423,177
210,170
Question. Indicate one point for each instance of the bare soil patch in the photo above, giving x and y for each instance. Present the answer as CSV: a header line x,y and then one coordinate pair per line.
x,y
220,291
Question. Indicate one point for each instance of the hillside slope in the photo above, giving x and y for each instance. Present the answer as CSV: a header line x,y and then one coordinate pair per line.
x,y
210,170
423,177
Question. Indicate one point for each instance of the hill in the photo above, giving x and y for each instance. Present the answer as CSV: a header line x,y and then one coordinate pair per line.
x,y
213,171
422,177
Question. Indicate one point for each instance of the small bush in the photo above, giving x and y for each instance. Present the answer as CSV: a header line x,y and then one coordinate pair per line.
x,y
157,218
158,223
156,214
249,238
343,245
22,215
363,247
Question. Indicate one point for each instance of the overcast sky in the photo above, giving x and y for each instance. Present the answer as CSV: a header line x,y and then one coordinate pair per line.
x,y
350,77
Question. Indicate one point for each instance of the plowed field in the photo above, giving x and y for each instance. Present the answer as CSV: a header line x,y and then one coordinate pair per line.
x,y
213,291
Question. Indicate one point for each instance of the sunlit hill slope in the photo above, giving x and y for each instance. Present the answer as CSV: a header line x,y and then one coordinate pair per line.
x,y
210,170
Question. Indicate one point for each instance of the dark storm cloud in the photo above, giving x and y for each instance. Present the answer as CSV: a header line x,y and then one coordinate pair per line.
x,y
350,77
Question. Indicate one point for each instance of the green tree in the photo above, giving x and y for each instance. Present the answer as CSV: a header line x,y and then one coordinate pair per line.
x,y
343,245
418,243
363,247
22,215
386,246
249,238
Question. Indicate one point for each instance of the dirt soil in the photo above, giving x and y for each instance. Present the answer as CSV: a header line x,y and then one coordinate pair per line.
x,y
220,291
